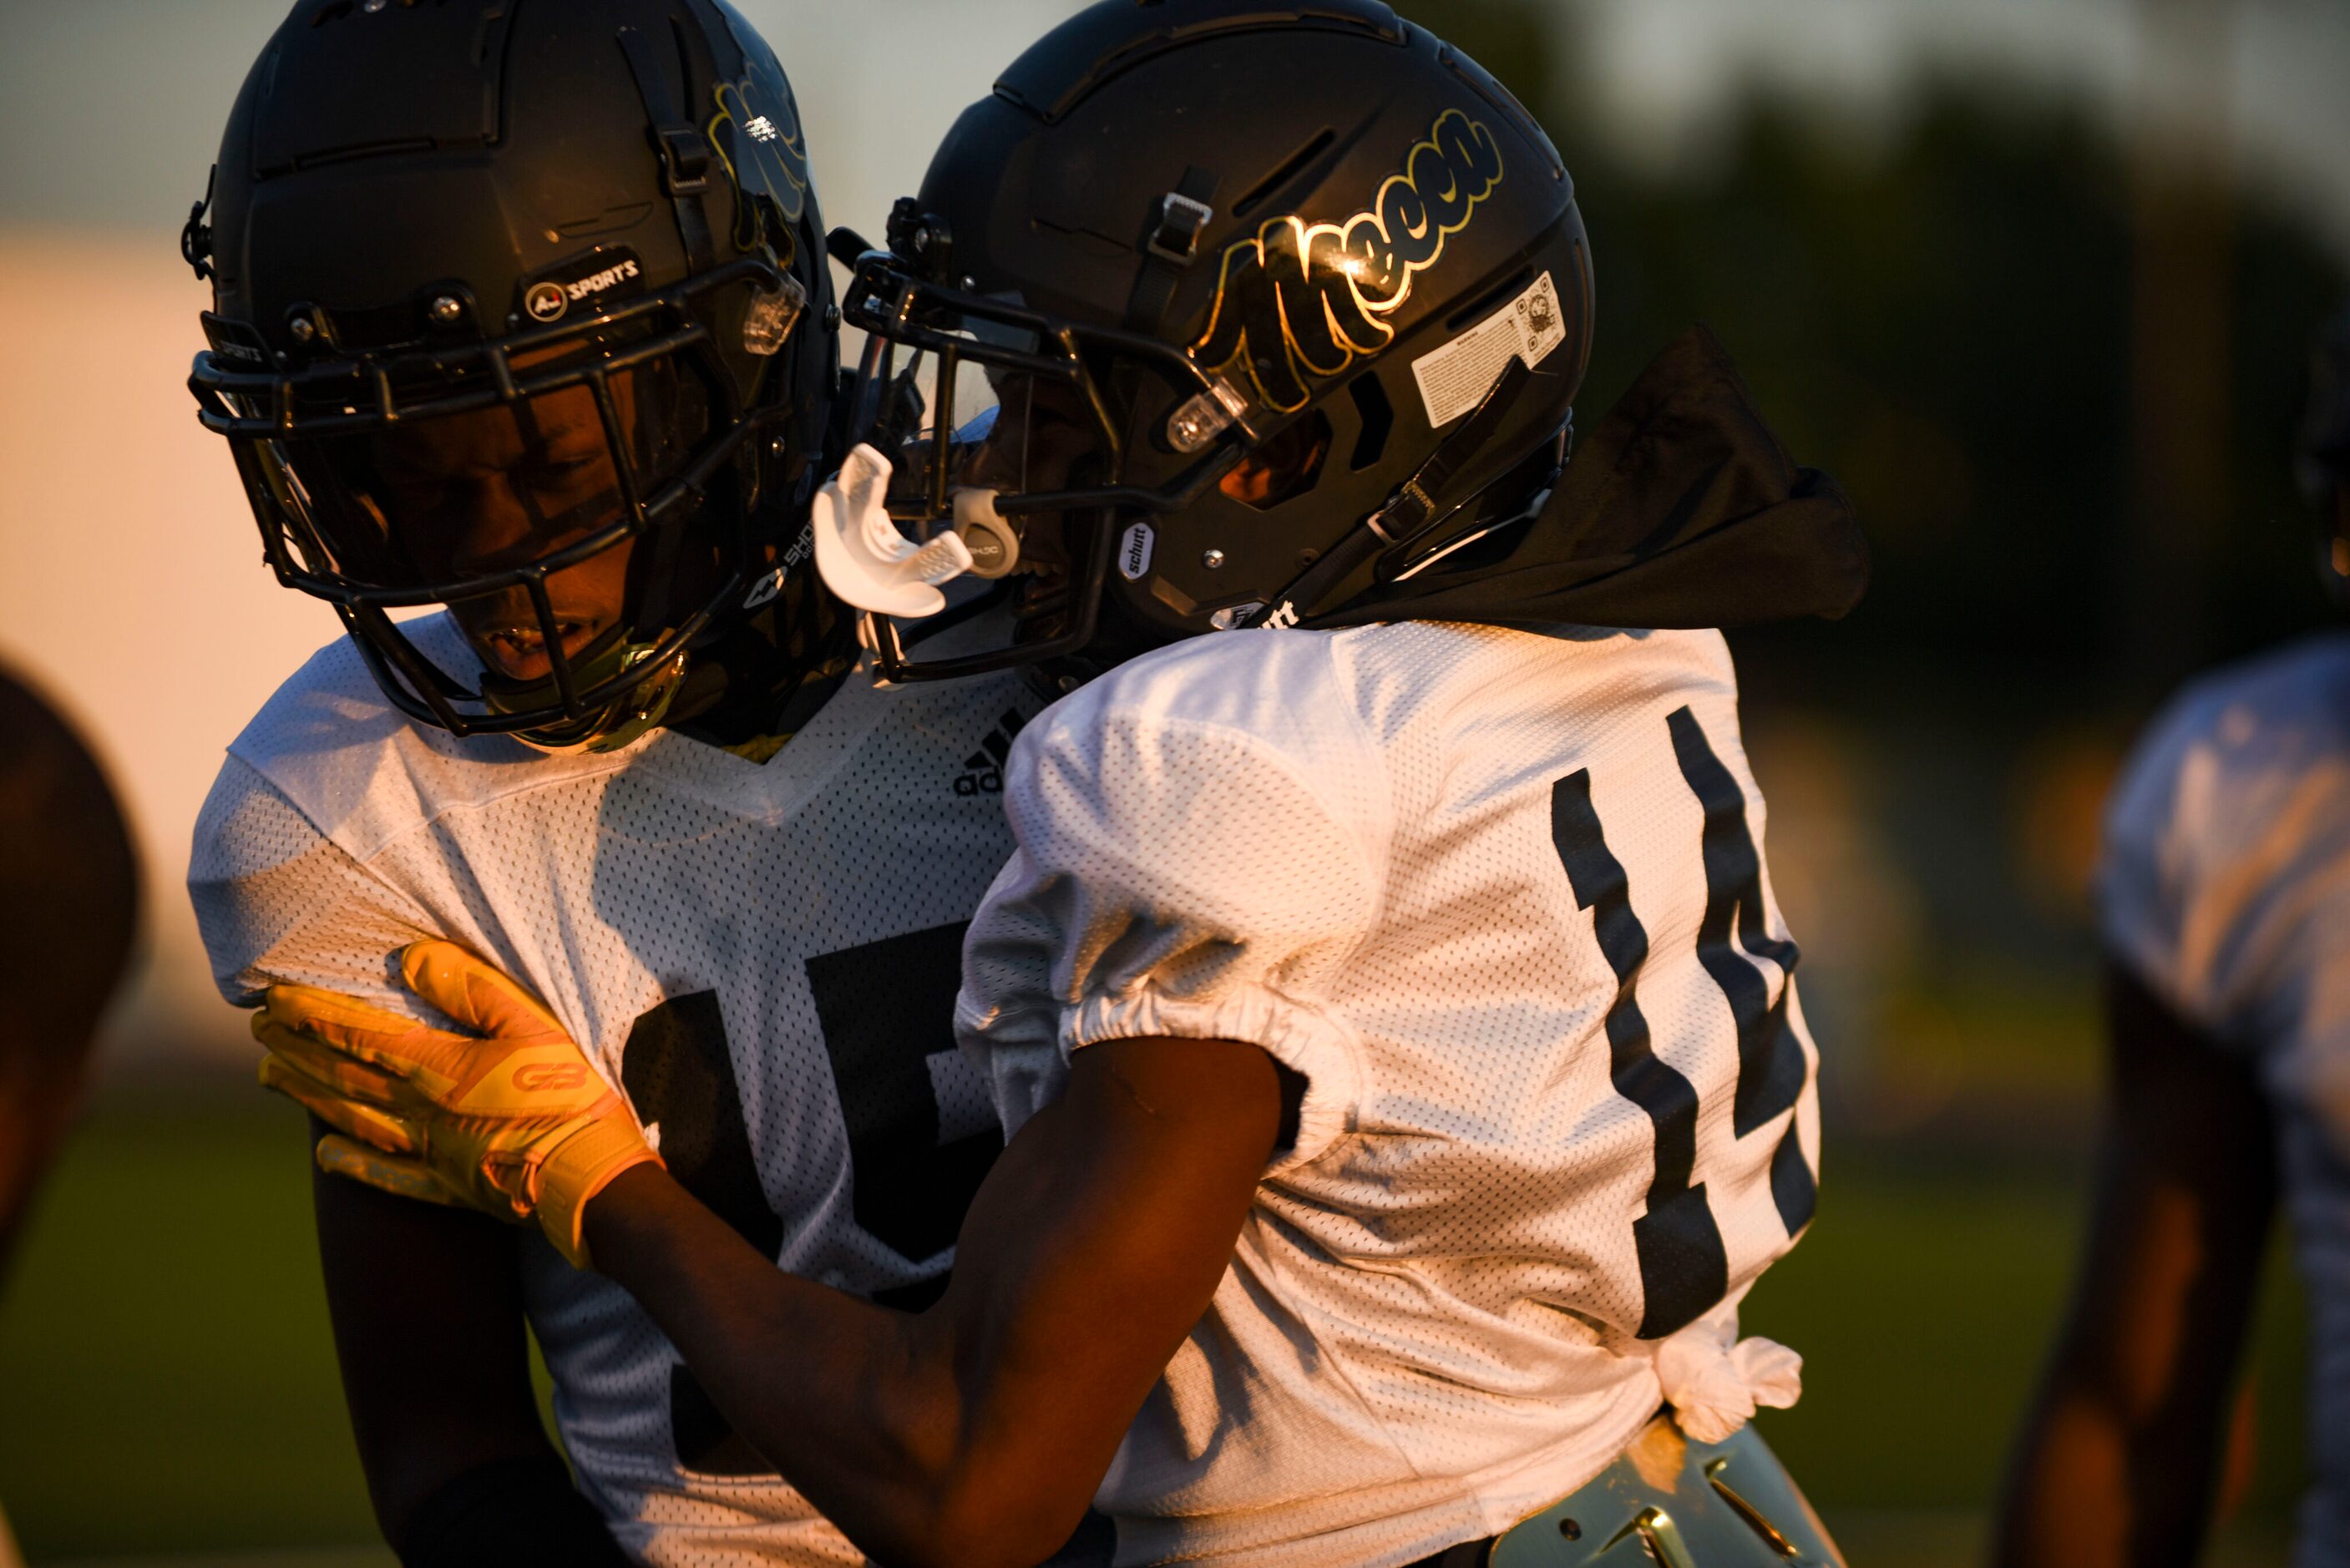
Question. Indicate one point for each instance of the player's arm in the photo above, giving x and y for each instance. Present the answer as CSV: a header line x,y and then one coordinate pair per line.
x,y
976,1433
972,1435
426,1302
2117,1458
424,1299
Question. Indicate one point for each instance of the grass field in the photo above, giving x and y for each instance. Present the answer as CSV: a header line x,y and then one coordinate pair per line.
x,y
168,1389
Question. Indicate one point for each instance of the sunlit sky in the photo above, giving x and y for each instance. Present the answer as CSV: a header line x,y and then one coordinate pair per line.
x,y
110,108
130,584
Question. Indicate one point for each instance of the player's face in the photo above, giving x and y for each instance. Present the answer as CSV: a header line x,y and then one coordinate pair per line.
x,y
483,492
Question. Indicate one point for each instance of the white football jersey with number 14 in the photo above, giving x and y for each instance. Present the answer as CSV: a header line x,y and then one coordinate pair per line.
x,y
1498,896
765,957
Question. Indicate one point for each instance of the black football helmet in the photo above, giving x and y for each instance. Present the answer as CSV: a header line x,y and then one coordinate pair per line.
x,y
524,311
1203,319
2325,454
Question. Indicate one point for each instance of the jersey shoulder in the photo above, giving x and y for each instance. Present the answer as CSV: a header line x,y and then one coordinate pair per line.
x,y
1299,690
1408,670
1349,714
2255,732
1201,837
2234,796
1274,685
2291,704
330,743
1143,741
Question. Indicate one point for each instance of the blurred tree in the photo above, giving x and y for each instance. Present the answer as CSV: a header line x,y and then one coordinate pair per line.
x,y
2181,322
1943,315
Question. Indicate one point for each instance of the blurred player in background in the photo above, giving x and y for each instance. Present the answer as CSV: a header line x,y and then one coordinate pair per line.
x,y
1387,1001
2225,907
69,899
524,345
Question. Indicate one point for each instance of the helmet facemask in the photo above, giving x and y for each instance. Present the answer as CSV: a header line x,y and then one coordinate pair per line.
x,y
1039,442
580,498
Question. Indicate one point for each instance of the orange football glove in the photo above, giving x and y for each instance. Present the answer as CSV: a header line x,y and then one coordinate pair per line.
x,y
516,1122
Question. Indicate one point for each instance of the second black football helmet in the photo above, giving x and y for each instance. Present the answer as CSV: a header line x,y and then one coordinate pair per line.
x,y
1199,289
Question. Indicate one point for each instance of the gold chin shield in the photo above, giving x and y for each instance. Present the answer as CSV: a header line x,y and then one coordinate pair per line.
x,y
626,718
1679,1504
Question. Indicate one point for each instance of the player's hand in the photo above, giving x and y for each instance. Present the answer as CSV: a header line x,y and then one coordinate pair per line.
x,y
513,1120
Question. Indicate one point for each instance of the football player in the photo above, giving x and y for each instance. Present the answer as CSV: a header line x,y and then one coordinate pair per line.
x,y
1386,995
2224,903
70,882
69,875
522,339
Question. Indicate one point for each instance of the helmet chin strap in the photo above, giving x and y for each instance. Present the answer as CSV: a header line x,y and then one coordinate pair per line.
x,y
626,718
1414,508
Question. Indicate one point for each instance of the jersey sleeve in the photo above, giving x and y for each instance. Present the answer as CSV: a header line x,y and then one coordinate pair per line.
x,y
276,900
2138,885
1173,878
2203,843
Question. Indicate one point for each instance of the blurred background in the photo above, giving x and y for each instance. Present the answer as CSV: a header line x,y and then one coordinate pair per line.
x,y
2034,278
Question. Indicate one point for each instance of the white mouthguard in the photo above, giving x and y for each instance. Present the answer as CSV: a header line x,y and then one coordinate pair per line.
x,y
865,559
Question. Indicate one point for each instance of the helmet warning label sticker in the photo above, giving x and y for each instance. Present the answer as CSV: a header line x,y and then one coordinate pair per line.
x,y
1454,379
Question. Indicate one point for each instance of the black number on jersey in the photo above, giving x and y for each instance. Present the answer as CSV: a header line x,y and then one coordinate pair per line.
x,y
679,1073
1770,1065
886,1010
1684,1271
887,1013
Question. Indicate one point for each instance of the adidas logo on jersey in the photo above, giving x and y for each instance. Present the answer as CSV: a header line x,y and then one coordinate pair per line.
x,y
984,769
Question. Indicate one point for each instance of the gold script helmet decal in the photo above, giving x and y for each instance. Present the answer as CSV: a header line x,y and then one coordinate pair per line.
x,y
1305,299
757,136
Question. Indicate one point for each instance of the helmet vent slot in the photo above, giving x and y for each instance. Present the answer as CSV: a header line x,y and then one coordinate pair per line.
x,y
1490,301
1284,467
1289,171
342,87
1378,419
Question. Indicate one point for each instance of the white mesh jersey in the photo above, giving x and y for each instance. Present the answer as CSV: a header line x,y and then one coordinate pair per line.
x,y
2226,886
776,947
1498,896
